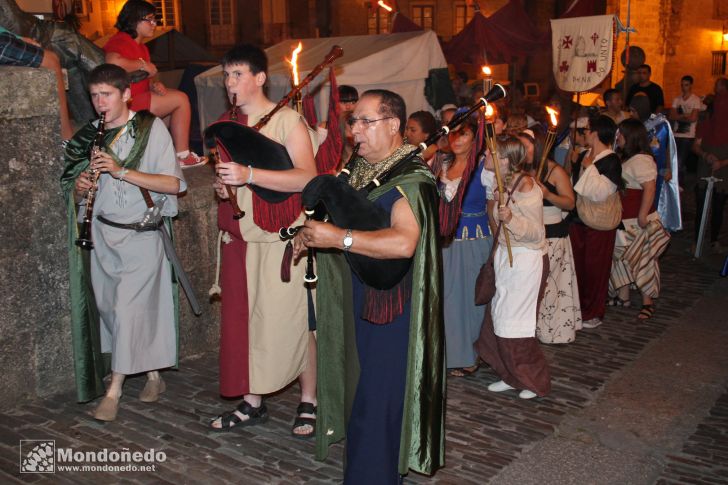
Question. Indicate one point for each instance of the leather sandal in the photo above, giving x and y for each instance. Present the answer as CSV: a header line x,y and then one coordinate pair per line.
x,y
231,420
300,421
646,312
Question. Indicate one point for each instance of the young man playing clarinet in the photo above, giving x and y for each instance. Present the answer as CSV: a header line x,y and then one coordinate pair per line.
x,y
265,339
130,277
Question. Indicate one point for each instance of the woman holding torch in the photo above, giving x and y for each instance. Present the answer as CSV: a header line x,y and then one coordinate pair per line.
x,y
507,338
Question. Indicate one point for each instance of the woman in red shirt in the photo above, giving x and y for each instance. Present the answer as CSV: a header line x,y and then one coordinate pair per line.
x,y
136,22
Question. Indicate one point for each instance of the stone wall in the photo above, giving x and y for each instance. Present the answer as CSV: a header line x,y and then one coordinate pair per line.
x,y
677,36
35,338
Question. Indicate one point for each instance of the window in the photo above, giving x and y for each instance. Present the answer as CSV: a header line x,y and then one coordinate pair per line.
x,y
424,15
378,20
81,8
166,13
463,15
719,63
222,25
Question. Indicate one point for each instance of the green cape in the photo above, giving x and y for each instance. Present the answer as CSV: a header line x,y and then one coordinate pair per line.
x,y
422,445
90,364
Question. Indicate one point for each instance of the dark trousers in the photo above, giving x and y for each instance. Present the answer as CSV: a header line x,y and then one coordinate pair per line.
x,y
716,210
684,148
593,263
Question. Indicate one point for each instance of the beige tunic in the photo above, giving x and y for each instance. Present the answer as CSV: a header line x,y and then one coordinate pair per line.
x,y
278,311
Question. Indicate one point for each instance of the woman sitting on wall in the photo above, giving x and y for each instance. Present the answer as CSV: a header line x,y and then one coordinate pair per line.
x,y
136,22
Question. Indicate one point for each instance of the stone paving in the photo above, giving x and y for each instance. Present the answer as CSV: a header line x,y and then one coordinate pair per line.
x,y
485,431
704,457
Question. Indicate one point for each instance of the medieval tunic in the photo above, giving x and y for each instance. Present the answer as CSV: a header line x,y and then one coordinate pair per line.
x,y
131,277
507,339
264,328
132,282
396,367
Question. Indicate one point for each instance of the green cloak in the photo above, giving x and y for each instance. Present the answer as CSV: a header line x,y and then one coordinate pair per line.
x,y
422,447
90,364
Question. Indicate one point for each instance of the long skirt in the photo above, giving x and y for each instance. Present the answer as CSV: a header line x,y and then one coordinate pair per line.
x,y
593,251
461,262
518,361
559,314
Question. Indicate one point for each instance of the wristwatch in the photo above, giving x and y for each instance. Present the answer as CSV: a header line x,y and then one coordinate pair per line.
x,y
348,240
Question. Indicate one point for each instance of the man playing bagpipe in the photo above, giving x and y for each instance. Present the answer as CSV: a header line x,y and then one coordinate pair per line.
x,y
381,358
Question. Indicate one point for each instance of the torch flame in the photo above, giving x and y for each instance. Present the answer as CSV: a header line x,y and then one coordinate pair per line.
x,y
294,62
489,111
384,6
487,71
553,114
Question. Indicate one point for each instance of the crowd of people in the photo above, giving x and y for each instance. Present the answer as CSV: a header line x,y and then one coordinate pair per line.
x,y
565,224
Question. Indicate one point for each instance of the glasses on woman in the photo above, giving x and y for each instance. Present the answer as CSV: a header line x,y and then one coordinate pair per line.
x,y
151,19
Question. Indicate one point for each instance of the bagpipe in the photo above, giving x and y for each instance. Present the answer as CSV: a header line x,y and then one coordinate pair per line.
x,y
232,141
331,198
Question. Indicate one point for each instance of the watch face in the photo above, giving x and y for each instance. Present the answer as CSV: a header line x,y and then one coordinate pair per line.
x,y
348,241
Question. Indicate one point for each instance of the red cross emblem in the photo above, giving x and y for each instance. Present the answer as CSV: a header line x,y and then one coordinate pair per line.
x,y
594,38
566,42
564,66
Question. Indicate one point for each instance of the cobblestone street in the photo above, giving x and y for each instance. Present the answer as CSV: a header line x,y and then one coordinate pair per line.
x,y
597,381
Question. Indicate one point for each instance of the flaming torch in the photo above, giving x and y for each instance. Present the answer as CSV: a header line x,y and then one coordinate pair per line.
x,y
294,73
549,142
384,6
487,81
492,146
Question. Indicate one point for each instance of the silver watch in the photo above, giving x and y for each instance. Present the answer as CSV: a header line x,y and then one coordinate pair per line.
x,y
348,240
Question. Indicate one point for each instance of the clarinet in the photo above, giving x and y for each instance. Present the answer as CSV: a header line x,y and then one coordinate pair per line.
x,y
84,237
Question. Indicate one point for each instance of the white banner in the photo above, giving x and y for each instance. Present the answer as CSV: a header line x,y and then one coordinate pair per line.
x,y
582,51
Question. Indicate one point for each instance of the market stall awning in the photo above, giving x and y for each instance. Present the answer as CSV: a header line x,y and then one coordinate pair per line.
x,y
507,33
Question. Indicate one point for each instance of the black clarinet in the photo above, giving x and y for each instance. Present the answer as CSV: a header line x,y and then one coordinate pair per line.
x,y
84,237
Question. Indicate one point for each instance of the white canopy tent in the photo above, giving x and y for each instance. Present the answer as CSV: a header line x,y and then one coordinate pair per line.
x,y
398,62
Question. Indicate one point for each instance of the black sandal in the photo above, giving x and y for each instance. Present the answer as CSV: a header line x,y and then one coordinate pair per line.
x,y
646,312
231,420
299,422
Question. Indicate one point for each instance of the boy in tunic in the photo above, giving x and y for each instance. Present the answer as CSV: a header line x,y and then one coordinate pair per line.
x,y
129,274
265,339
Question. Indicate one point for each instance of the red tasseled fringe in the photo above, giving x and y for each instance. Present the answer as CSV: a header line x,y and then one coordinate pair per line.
x,y
271,217
286,263
383,306
450,211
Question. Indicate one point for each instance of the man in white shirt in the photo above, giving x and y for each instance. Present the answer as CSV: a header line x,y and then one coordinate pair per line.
x,y
684,115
